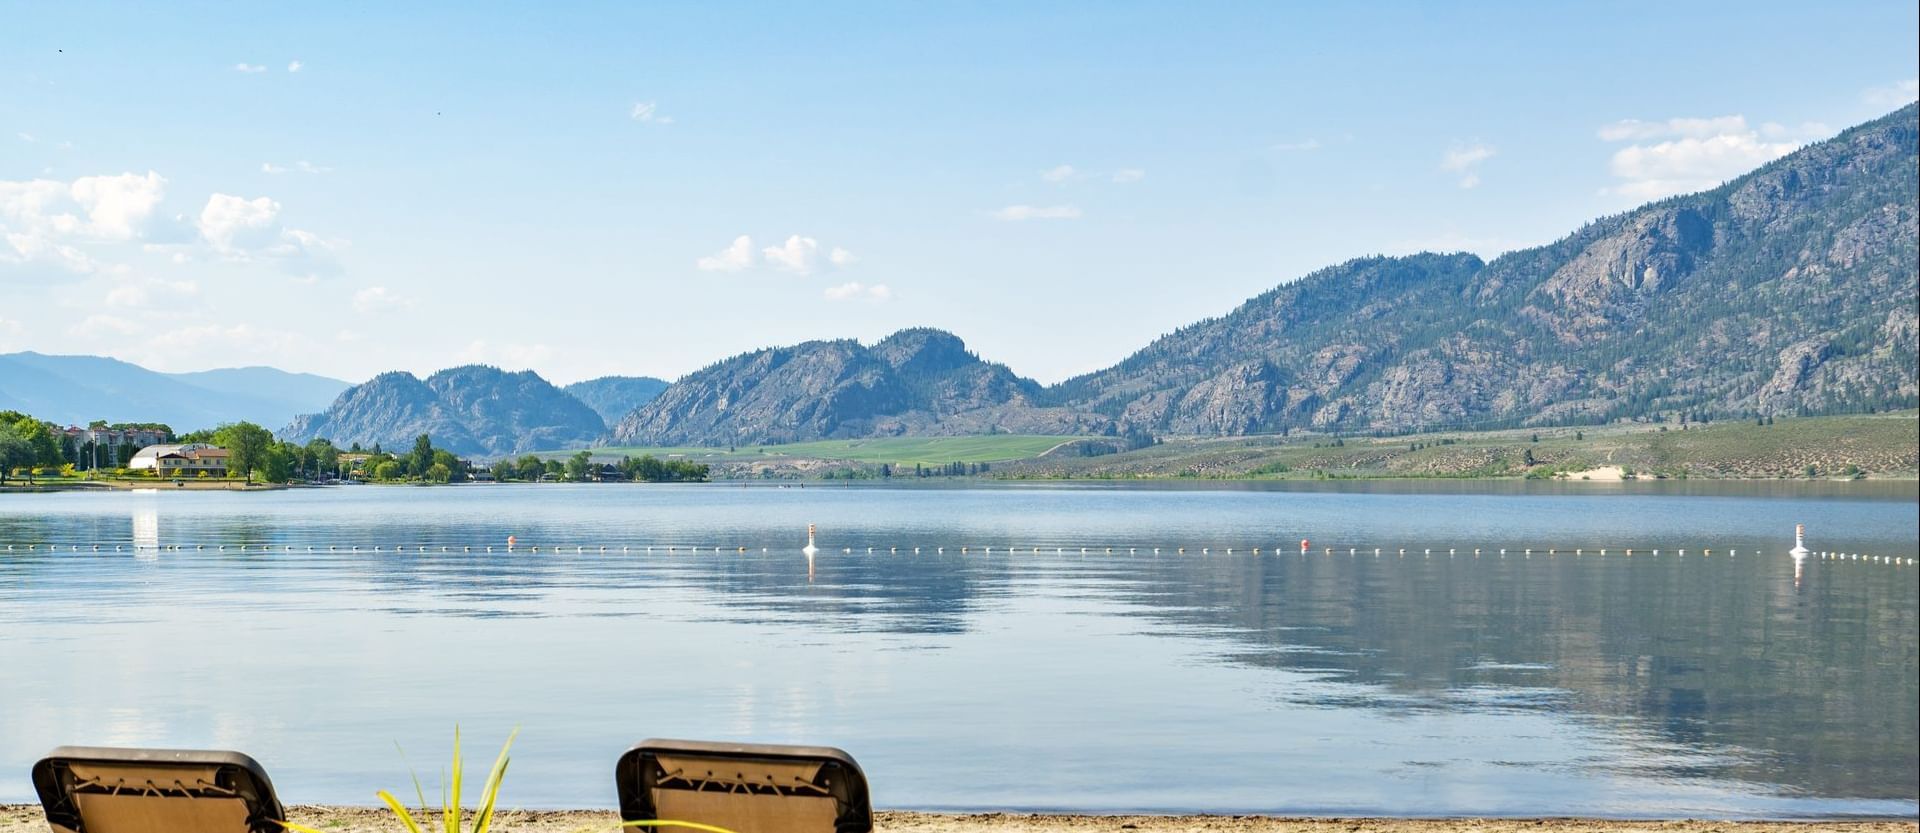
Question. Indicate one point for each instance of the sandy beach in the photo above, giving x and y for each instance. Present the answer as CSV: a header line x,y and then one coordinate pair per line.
x,y
19,818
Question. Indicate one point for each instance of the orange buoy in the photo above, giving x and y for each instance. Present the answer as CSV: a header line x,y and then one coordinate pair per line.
x,y
1303,545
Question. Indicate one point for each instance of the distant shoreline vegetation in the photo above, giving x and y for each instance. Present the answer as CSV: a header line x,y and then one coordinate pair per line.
x,y
42,455
1852,447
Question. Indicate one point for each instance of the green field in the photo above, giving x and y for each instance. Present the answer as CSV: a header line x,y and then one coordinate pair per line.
x,y
928,451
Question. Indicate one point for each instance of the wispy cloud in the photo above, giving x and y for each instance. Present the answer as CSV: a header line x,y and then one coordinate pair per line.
x,y
648,112
856,291
1681,155
1290,147
1465,160
1891,96
1127,176
1018,213
295,66
1057,174
736,256
249,69
377,298
798,255
302,167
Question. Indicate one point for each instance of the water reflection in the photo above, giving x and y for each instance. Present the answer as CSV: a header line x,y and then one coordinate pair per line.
x,y
1336,683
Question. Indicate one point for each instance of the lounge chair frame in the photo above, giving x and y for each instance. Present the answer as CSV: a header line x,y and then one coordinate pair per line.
x,y
63,782
639,772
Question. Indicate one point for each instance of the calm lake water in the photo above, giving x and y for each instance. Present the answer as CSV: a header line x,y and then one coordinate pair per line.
x,y
1418,684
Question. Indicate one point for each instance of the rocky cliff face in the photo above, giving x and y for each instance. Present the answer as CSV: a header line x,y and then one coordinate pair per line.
x,y
913,382
472,410
1789,290
613,397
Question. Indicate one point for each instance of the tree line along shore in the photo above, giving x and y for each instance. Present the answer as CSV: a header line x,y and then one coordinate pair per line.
x,y
1852,447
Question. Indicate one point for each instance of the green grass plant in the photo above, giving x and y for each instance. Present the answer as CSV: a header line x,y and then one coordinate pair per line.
x,y
449,795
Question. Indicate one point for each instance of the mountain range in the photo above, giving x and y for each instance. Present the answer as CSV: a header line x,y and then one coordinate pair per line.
x,y
1789,290
76,390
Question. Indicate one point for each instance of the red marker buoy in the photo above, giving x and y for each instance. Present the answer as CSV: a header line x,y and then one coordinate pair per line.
x,y
1303,545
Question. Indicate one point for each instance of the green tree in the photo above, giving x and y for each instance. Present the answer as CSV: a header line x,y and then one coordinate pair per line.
x,y
15,451
387,470
326,458
579,465
246,445
422,456
438,473
530,467
277,465
456,470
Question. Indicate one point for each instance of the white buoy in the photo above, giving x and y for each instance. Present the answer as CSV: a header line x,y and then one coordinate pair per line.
x,y
810,549
1799,541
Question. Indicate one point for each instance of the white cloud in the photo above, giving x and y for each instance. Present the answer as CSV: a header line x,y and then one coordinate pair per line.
x,y
301,166
249,69
1288,147
118,207
1807,131
1465,160
295,66
856,291
841,257
1892,96
234,224
26,137
98,324
509,356
1694,154
649,112
140,294
1129,175
797,255
377,298
10,331
1016,213
736,256
45,220
1061,173
1694,128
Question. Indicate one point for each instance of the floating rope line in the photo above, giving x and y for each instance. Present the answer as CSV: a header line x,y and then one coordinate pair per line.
x,y
1282,551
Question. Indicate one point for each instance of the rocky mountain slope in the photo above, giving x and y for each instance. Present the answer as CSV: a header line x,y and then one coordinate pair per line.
x,y
76,390
1789,290
918,381
472,410
613,397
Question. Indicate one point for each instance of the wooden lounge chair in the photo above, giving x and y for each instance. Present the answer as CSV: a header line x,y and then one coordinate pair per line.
x,y
91,789
746,788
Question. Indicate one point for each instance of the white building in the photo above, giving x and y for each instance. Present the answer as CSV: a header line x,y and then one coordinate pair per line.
x,y
188,460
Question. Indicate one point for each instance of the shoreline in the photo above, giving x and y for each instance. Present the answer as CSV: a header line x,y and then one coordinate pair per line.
x,y
22,818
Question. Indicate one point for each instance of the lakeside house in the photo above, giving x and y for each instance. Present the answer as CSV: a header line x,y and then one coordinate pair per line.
x,y
111,444
189,460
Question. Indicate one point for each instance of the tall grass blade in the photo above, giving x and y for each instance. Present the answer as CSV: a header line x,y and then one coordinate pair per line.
x,y
400,810
417,789
492,793
450,814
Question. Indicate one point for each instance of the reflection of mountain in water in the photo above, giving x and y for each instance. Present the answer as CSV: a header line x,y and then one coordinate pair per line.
x,y
1818,687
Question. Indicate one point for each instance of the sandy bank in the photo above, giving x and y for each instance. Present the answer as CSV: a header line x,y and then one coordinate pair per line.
x,y
24,818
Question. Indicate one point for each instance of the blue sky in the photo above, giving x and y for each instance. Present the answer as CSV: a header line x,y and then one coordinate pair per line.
x,y
352,190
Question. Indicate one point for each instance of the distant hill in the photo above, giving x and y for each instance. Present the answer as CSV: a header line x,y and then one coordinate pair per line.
x,y
1789,290
79,389
914,382
472,410
613,397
